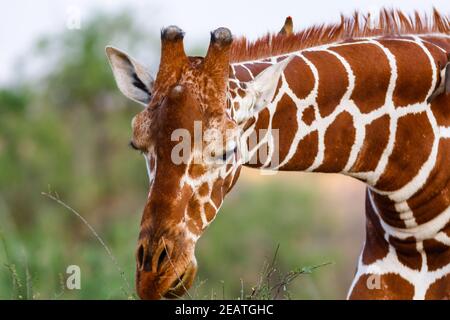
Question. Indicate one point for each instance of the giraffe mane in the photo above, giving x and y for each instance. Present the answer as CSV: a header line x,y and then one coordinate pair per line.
x,y
390,22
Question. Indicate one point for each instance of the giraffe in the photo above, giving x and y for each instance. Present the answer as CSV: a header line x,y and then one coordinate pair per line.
x,y
366,101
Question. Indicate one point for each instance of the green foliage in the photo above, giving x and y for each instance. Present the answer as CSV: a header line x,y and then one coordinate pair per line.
x,y
13,100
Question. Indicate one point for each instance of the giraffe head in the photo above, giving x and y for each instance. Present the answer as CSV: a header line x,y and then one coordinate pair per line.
x,y
190,144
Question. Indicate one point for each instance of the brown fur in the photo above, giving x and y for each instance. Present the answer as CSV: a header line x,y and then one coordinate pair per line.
x,y
370,78
376,139
392,287
440,289
412,130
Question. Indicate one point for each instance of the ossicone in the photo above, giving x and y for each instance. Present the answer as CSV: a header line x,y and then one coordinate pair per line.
x,y
217,59
173,56
221,37
172,33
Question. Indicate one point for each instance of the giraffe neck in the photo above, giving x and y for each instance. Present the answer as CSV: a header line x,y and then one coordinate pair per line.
x,y
359,108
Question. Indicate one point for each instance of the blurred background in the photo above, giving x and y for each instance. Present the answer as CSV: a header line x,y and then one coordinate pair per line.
x,y
64,128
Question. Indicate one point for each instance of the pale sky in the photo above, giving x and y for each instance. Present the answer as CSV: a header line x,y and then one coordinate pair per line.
x,y
23,21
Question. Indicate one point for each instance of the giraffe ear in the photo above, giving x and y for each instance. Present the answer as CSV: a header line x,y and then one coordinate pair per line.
x,y
132,78
261,90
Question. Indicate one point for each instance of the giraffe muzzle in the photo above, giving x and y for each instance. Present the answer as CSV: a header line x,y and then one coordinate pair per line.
x,y
165,269
183,282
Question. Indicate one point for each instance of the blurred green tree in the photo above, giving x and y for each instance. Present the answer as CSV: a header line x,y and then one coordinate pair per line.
x,y
67,129
59,130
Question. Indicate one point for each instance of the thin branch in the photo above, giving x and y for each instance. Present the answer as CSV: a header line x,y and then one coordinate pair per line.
x,y
269,288
96,235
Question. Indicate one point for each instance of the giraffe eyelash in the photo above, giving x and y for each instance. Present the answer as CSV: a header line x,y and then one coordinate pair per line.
x,y
133,146
227,154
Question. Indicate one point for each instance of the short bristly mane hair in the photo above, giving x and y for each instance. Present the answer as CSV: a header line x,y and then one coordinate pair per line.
x,y
389,23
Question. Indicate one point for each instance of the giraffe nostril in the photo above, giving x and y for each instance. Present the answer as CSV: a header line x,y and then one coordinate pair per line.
x,y
143,257
140,256
162,257
147,262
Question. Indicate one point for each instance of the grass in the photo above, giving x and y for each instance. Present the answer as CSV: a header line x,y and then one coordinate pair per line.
x,y
226,269
19,291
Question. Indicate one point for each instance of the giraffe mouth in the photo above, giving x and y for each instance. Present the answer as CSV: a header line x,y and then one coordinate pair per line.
x,y
183,282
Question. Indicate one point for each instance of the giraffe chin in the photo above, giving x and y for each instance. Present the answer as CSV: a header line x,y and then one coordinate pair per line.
x,y
182,284
150,287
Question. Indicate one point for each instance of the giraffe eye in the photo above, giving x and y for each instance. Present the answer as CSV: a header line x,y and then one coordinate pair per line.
x,y
227,154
